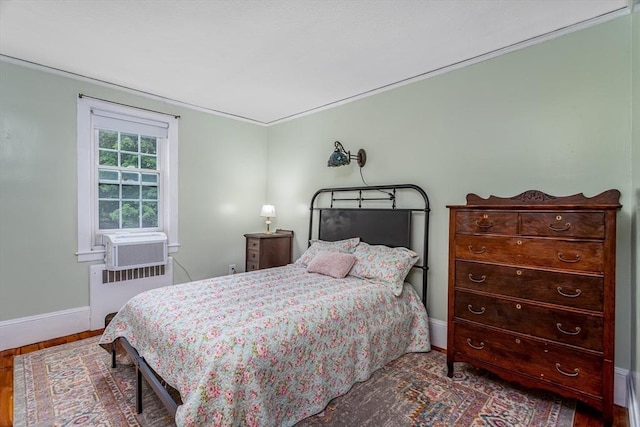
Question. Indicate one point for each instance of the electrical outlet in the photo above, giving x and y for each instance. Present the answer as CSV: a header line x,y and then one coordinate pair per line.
x,y
232,269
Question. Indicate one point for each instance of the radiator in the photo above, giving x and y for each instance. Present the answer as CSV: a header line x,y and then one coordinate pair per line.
x,y
109,290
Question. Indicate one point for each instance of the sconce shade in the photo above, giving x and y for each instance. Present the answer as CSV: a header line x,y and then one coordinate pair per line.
x,y
268,211
338,158
341,157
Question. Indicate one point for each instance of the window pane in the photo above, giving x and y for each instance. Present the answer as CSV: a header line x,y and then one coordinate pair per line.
x,y
129,160
148,144
109,191
150,178
108,158
149,192
108,215
130,177
108,176
130,215
108,139
149,214
129,142
148,162
131,192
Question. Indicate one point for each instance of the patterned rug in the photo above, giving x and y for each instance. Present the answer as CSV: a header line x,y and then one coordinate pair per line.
x,y
73,384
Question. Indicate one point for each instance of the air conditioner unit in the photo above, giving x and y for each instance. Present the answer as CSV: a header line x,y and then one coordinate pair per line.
x,y
134,250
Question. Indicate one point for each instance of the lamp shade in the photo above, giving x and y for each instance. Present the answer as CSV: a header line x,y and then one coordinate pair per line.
x,y
338,158
342,157
268,211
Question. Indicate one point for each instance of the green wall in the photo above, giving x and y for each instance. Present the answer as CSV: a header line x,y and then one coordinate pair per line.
x,y
221,190
553,117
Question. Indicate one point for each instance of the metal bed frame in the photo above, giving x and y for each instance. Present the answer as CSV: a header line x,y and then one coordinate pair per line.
x,y
390,226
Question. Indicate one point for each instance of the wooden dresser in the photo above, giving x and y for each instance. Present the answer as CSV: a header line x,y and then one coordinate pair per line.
x,y
532,291
268,250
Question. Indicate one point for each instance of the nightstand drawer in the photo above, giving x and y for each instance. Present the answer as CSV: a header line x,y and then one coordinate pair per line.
x,y
253,255
252,266
253,244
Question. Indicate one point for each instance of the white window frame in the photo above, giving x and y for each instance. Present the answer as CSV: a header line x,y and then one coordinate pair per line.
x,y
88,249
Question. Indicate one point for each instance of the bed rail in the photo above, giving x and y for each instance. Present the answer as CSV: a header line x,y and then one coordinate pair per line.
x,y
143,370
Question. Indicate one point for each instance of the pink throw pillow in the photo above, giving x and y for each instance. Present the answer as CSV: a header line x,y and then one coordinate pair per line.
x,y
334,264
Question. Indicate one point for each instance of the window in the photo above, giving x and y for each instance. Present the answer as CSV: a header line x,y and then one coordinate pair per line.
x,y
128,178
127,169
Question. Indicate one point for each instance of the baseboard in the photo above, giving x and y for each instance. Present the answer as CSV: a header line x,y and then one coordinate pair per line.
x,y
438,330
28,330
633,384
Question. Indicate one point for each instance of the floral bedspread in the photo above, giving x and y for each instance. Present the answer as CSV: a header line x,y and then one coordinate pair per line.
x,y
270,347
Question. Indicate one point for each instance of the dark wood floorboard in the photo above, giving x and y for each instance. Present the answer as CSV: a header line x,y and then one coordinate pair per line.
x,y
585,416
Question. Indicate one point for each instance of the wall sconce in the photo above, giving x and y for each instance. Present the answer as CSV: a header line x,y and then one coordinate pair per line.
x,y
340,157
268,211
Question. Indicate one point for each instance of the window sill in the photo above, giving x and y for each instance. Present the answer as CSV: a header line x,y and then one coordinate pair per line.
x,y
98,254
93,255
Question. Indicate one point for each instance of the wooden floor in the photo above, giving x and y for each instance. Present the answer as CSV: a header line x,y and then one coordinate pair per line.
x,y
585,416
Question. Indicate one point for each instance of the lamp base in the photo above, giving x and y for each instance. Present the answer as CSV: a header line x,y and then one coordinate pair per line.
x,y
268,222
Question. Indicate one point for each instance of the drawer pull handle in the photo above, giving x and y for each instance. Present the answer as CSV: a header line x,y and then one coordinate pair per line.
x,y
480,280
563,259
477,347
484,225
577,294
479,251
575,372
561,228
481,311
577,330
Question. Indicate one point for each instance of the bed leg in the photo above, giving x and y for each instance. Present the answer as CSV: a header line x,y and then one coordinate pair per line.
x,y
450,369
138,390
113,354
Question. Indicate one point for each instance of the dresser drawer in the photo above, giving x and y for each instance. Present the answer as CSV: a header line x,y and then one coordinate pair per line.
x,y
571,290
487,222
563,224
546,361
562,254
566,327
253,266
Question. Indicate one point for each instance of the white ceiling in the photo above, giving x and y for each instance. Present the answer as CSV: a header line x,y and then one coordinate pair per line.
x,y
267,61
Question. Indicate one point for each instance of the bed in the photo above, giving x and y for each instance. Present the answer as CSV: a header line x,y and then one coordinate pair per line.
x,y
274,346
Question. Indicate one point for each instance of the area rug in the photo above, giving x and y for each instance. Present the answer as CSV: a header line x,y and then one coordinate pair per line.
x,y
73,384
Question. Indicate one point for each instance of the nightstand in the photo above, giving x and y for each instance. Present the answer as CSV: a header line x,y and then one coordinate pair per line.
x,y
268,250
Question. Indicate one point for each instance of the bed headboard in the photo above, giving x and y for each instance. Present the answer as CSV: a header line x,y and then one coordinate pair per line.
x,y
373,214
